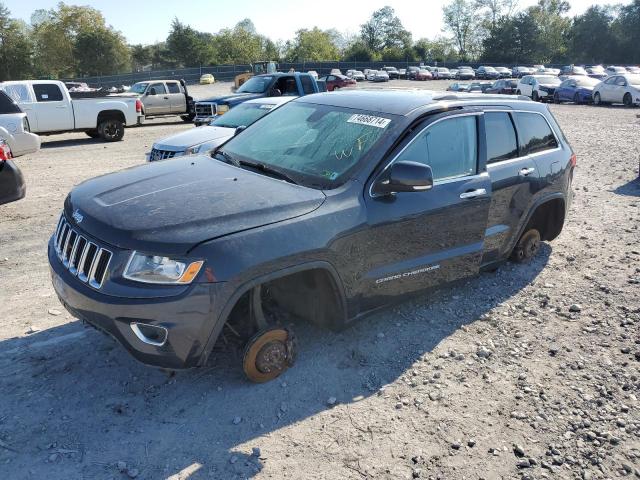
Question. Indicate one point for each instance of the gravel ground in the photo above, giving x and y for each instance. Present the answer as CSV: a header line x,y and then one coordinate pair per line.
x,y
528,372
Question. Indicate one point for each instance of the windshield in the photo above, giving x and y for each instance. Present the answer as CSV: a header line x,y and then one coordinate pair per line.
x,y
579,70
316,145
597,69
587,82
548,80
243,115
490,69
139,87
633,80
255,85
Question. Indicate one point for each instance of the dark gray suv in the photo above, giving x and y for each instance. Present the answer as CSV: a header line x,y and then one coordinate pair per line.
x,y
330,207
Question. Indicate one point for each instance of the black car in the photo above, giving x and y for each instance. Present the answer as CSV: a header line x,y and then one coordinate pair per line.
x,y
328,208
505,87
412,72
393,72
487,73
12,186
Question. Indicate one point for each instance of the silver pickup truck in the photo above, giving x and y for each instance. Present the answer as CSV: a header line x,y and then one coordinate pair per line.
x,y
163,97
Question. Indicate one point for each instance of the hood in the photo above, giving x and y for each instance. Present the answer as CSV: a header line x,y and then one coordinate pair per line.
x,y
550,85
234,98
193,136
169,207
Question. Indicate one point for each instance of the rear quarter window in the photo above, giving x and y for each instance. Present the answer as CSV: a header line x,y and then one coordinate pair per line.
x,y
501,137
307,84
7,105
47,92
534,133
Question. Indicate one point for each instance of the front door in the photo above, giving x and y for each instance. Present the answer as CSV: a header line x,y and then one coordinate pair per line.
x,y
53,109
422,239
156,101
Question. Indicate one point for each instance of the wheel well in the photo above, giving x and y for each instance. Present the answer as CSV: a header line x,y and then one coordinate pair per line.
x,y
111,115
310,295
548,219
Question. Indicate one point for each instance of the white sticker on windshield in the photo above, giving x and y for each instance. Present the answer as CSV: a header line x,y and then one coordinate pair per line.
x,y
267,106
370,120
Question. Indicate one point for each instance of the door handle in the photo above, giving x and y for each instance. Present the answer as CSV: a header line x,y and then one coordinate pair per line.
x,y
525,172
166,98
473,193
61,106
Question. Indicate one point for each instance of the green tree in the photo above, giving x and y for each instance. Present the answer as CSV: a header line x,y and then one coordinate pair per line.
x,y
384,30
358,51
591,37
462,20
101,52
312,45
188,47
16,48
627,29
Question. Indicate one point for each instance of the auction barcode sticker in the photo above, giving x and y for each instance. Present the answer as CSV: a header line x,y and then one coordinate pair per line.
x,y
370,120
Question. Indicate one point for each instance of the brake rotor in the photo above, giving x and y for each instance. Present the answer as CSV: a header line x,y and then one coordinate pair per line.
x,y
269,353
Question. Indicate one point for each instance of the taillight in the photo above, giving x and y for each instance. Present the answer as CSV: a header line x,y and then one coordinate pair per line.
x,y
573,160
5,151
138,106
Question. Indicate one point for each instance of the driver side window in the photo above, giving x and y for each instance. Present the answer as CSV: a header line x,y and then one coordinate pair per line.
x,y
449,147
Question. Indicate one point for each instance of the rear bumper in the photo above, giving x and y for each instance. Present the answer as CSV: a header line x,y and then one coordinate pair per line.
x,y
189,318
12,186
140,119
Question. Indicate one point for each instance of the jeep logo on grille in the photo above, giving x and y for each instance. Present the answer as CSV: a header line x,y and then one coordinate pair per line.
x,y
77,216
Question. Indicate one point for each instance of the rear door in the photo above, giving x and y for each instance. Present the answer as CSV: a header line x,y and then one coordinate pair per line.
x,y
54,109
422,239
177,98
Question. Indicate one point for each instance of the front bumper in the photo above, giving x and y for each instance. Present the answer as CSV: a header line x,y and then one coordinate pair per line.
x,y
189,318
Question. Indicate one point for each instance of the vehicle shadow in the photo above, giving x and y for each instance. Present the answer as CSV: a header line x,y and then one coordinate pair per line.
x,y
630,189
79,404
71,142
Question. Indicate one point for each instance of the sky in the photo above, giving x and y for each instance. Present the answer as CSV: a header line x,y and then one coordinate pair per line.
x,y
149,22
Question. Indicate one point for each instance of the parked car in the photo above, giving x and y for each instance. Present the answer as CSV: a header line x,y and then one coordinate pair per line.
x,y
503,87
465,73
441,73
207,79
572,70
597,71
392,72
577,89
634,70
163,97
12,186
423,74
487,73
613,70
50,109
203,140
335,71
480,86
313,73
519,72
14,128
547,71
412,72
260,86
377,76
453,73
618,89
489,186
538,87
336,82
504,72
458,87
357,75
402,73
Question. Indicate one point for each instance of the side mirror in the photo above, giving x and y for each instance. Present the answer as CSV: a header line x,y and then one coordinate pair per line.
x,y
405,177
240,129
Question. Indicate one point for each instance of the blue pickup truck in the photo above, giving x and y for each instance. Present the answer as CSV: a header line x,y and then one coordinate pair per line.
x,y
260,86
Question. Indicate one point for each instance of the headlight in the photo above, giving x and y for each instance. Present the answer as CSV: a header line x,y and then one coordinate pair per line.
x,y
155,269
221,109
194,149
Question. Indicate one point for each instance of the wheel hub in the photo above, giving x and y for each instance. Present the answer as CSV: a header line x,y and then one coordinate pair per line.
x,y
269,353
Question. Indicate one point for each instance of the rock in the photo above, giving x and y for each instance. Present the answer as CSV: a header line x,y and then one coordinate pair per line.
x,y
471,443
133,473
456,445
33,329
518,415
625,350
532,461
557,460
331,401
483,352
121,466
54,312
518,451
435,396
237,420
586,475
416,473
523,463
575,308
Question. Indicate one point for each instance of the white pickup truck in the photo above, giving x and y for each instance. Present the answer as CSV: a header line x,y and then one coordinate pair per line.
x,y
50,109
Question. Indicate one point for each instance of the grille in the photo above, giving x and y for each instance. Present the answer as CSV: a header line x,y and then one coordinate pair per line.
x,y
205,109
157,154
83,258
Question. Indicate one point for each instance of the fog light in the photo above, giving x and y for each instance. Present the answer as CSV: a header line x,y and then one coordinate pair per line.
x,y
150,334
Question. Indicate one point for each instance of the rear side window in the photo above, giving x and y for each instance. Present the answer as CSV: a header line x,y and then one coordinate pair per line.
x,y
534,133
307,84
7,105
449,147
501,137
47,92
173,87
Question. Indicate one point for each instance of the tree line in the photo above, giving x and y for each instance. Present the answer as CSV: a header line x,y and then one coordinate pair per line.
x,y
75,41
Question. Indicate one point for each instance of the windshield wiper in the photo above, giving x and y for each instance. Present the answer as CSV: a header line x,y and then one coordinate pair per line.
x,y
270,170
227,158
